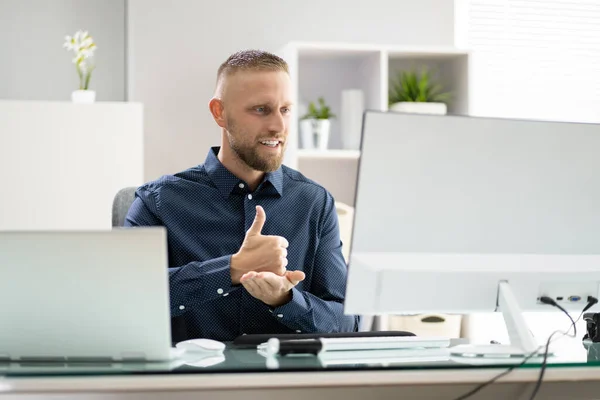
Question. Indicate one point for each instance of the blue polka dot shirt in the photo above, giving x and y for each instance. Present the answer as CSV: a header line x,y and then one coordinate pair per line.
x,y
207,211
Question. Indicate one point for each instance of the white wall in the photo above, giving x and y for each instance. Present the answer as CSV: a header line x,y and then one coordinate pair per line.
x,y
176,47
35,66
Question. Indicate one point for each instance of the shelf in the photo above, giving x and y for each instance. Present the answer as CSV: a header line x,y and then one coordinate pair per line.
x,y
329,154
326,69
425,52
336,49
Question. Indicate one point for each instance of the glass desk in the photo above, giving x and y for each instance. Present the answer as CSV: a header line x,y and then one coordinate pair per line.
x,y
576,368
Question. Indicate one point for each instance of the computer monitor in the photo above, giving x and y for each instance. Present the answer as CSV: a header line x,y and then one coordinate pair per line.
x,y
85,295
458,214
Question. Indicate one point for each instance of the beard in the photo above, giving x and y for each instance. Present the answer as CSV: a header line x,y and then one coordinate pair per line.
x,y
248,150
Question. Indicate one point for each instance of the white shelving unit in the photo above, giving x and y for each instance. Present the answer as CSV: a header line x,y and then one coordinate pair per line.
x,y
326,69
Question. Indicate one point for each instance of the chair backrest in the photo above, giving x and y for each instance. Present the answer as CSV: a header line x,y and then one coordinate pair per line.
x,y
121,203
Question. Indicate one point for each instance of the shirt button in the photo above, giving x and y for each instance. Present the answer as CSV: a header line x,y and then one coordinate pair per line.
x,y
220,291
226,294
249,197
280,315
298,331
241,185
182,307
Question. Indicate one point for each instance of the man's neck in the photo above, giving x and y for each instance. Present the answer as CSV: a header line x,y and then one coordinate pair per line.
x,y
237,167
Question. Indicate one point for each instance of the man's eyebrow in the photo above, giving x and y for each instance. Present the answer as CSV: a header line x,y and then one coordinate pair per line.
x,y
269,104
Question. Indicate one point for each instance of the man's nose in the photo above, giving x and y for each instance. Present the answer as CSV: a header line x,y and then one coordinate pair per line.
x,y
277,123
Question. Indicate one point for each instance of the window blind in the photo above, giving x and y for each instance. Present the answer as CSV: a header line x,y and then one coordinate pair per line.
x,y
535,59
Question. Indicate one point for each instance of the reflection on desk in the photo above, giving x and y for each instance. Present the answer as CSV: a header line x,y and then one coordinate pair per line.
x,y
236,360
42,368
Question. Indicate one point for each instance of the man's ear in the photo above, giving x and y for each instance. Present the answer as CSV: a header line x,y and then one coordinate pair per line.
x,y
218,111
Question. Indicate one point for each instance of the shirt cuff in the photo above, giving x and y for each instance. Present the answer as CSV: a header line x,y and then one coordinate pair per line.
x,y
186,294
289,312
218,276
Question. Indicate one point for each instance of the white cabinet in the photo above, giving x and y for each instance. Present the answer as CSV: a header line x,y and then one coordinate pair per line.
x,y
62,163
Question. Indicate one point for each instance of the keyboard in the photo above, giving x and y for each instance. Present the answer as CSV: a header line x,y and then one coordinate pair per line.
x,y
253,340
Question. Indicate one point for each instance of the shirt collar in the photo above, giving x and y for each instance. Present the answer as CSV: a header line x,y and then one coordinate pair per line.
x,y
227,182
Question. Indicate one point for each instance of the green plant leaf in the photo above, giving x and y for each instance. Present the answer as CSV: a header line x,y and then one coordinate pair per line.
x,y
80,77
87,80
416,87
88,77
322,112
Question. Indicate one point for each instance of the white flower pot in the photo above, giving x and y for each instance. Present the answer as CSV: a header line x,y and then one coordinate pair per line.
x,y
83,96
315,133
419,108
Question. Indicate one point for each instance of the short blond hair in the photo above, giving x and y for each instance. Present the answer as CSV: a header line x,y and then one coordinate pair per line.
x,y
251,60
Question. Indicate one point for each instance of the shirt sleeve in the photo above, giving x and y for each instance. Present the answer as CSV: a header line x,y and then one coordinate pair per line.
x,y
192,284
322,308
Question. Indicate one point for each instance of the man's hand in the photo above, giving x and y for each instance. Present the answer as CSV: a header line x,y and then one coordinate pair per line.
x,y
259,253
271,289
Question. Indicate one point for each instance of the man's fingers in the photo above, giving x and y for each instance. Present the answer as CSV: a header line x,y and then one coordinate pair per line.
x,y
280,241
248,275
284,263
283,242
268,280
295,277
259,222
251,285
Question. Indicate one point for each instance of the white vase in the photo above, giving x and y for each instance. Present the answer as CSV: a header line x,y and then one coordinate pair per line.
x,y
83,96
419,107
353,106
315,133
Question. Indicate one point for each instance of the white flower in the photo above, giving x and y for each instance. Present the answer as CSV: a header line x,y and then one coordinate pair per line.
x,y
80,36
87,42
86,53
78,59
82,44
69,43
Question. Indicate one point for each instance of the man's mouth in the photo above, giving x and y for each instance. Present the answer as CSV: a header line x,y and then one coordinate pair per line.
x,y
271,143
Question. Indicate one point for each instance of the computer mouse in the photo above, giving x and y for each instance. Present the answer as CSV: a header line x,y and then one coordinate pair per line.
x,y
201,345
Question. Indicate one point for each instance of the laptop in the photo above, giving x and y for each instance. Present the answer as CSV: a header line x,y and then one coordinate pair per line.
x,y
85,295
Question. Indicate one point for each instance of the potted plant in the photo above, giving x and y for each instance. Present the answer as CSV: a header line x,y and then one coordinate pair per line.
x,y
82,44
316,125
417,93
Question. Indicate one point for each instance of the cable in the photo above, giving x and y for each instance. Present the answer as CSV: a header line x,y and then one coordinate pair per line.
x,y
546,300
543,367
494,379
591,301
551,302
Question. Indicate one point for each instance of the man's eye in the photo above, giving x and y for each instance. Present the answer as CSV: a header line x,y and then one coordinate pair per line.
x,y
286,110
261,109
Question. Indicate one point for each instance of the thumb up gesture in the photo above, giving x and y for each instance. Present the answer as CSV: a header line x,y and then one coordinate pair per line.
x,y
259,252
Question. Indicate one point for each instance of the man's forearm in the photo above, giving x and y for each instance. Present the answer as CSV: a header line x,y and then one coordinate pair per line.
x,y
198,282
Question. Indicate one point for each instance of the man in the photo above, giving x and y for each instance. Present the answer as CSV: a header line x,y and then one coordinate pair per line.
x,y
254,246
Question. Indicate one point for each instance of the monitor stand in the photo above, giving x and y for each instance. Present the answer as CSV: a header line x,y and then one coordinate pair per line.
x,y
522,343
